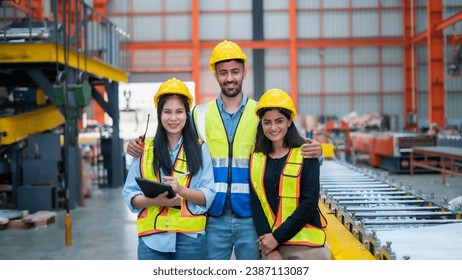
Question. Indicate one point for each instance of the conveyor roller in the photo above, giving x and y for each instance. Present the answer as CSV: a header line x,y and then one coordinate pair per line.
x,y
368,206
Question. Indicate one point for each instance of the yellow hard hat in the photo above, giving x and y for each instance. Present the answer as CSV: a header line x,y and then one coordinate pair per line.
x,y
226,50
173,86
276,98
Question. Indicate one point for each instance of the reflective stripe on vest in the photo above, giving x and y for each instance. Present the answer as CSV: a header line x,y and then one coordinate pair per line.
x,y
230,168
157,219
289,193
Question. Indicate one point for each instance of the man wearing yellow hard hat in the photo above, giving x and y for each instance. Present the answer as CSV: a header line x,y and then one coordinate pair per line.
x,y
228,125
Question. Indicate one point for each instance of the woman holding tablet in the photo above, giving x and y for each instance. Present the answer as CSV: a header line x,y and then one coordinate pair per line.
x,y
172,228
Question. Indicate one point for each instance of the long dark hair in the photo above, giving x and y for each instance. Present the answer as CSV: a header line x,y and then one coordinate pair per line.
x,y
190,141
291,140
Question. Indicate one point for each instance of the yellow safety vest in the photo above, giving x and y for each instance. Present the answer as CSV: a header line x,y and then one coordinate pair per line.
x,y
289,193
157,219
230,159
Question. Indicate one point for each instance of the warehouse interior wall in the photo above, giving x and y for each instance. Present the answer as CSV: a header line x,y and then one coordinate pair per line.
x,y
333,57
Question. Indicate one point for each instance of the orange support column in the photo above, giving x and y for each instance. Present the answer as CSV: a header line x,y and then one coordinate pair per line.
x,y
293,51
322,67
435,52
351,94
196,50
410,77
39,8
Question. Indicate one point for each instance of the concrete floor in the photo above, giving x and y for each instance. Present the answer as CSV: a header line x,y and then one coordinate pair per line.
x,y
105,230
102,230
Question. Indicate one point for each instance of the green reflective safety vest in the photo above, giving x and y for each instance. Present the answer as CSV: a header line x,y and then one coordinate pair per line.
x,y
155,219
289,194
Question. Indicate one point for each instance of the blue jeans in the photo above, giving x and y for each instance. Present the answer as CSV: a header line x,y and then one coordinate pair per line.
x,y
187,248
229,232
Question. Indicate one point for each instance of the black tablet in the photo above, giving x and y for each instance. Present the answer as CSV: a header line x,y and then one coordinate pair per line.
x,y
152,188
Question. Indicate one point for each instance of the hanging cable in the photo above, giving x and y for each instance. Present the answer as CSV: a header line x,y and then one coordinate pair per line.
x,y
55,26
77,35
85,34
68,224
59,72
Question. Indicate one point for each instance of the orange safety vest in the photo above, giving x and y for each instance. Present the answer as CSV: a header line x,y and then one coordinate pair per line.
x,y
289,193
155,219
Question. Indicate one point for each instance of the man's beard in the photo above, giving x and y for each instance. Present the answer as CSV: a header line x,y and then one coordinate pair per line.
x,y
231,93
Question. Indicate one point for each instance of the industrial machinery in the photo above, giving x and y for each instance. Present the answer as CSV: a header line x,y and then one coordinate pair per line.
x,y
51,67
334,133
388,150
339,133
387,220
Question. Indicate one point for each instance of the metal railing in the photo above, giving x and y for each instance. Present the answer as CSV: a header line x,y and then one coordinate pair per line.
x,y
80,28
